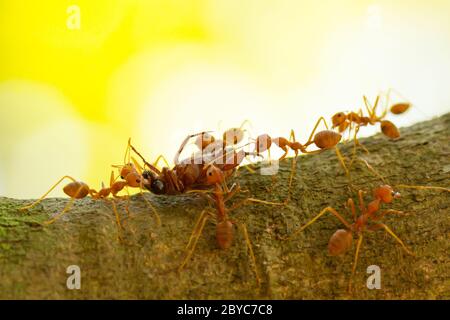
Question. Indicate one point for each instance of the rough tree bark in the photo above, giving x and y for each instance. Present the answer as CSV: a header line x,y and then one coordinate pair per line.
x,y
34,258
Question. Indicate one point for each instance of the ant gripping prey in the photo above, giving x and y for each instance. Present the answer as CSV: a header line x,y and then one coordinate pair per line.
x,y
203,175
130,175
189,173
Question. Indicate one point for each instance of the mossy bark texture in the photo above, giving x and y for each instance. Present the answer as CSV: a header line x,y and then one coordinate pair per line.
x,y
143,263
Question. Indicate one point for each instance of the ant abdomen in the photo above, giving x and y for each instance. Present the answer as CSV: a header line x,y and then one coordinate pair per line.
x,y
340,242
327,139
389,129
399,108
224,234
76,190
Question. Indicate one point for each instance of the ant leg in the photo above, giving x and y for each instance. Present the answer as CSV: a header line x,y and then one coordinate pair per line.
x,y
247,167
151,167
46,194
351,205
291,176
127,155
389,211
362,205
383,114
116,213
243,202
314,131
292,136
372,169
372,110
286,150
194,237
246,121
59,215
139,169
205,193
368,107
195,230
251,253
225,187
422,187
231,193
112,179
389,231
155,212
127,197
342,161
161,157
355,144
355,262
327,209
348,129
183,144
119,225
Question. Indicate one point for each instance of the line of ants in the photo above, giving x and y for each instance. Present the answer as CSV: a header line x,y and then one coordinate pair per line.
x,y
208,171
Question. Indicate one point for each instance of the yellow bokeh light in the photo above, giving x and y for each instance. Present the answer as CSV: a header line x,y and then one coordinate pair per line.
x,y
159,70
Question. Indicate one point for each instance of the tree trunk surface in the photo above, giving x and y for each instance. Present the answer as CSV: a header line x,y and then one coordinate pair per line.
x,y
143,264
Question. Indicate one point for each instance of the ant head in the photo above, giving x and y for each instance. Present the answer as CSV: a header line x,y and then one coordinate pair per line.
x,y
214,175
126,169
133,179
338,118
386,194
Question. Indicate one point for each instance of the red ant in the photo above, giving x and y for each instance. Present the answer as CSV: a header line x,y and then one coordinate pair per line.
x,y
368,220
224,225
130,175
345,121
191,172
205,171
325,139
